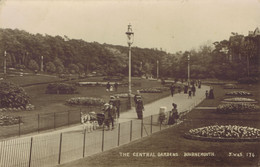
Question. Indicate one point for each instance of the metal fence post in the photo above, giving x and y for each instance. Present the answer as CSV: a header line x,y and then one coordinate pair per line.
x,y
38,123
103,135
142,128
84,143
60,148
151,124
131,124
118,141
68,117
160,125
30,156
19,126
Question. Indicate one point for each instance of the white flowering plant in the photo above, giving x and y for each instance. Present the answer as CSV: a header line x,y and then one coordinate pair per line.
x,y
239,93
6,120
87,101
150,90
237,107
226,131
239,99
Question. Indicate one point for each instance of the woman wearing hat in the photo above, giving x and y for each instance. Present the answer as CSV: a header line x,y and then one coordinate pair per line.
x,y
139,108
173,115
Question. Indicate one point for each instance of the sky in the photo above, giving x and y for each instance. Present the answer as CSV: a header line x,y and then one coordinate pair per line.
x,y
173,25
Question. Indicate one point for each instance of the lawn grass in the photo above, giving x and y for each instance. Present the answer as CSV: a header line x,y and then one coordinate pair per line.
x,y
47,104
172,140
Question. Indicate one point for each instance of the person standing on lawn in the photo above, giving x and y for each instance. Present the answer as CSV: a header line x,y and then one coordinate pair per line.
x,y
139,108
172,88
108,87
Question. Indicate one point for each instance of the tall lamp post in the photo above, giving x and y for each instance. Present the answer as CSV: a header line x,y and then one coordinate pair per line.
x,y
130,40
41,63
188,69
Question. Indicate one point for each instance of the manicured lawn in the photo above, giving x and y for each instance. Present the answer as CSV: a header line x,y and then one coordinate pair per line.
x,y
53,103
172,141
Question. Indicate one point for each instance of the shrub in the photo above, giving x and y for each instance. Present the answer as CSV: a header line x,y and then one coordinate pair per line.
x,y
61,88
33,65
248,80
87,101
237,107
12,95
50,67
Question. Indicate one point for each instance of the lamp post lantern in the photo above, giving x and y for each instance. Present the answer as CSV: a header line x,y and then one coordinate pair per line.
x,y
130,40
188,69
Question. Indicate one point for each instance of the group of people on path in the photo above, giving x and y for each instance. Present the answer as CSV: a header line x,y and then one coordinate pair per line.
x,y
111,112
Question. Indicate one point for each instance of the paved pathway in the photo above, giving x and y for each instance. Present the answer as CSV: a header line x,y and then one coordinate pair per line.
x,y
182,101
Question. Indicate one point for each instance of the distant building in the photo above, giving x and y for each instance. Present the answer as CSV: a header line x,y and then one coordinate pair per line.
x,y
254,33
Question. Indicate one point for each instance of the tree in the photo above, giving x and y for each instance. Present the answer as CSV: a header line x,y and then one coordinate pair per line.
x,y
33,65
50,67
73,68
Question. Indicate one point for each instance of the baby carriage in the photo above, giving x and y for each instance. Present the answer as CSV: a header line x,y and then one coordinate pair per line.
x,y
100,118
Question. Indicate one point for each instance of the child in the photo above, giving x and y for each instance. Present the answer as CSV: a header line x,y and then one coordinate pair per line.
x,y
189,97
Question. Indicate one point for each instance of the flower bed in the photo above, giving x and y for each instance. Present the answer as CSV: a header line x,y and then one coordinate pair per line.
x,y
239,99
122,95
6,120
224,133
150,90
237,107
239,93
87,101
162,88
28,107
230,86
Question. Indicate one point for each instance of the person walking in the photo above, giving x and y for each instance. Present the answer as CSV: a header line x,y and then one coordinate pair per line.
x,y
193,89
139,108
107,116
173,115
137,95
116,103
189,94
112,114
172,88
207,94
186,87
116,86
